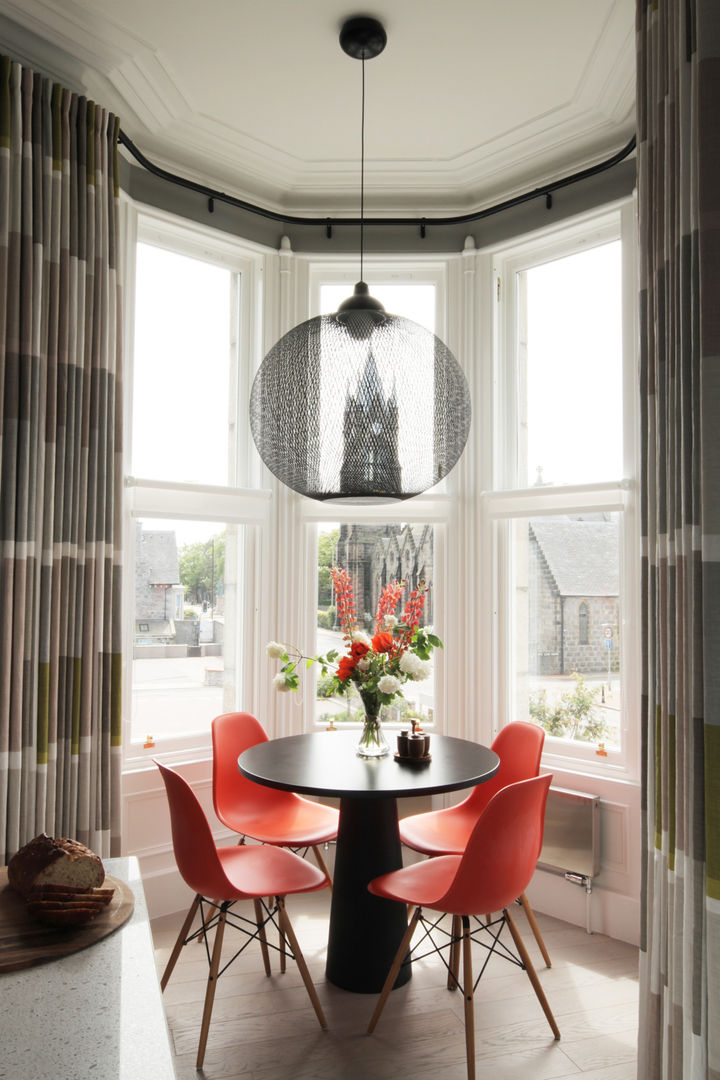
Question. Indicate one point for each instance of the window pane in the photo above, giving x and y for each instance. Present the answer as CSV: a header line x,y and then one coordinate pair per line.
x,y
416,302
570,373
183,671
373,555
182,368
566,626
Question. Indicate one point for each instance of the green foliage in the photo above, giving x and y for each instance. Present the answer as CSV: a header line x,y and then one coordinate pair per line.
x,y
326,619
202,567
327,543
573,715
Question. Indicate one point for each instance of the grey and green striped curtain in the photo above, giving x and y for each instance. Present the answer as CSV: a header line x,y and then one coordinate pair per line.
x,y
678,92
60,466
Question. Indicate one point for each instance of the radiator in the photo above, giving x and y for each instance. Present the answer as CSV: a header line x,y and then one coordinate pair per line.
x,y
571,841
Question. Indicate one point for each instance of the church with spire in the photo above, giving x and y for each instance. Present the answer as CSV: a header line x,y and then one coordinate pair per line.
x,y
370,464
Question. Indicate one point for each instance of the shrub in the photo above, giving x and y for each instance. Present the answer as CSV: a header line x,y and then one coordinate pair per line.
x,y
572,716
326,618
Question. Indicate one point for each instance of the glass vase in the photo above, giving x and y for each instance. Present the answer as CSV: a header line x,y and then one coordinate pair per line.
x,y
372,742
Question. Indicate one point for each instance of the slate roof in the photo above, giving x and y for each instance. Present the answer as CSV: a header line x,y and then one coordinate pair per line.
x,y
583,556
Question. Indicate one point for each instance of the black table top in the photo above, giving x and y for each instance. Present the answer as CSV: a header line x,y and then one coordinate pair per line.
x,y
325,763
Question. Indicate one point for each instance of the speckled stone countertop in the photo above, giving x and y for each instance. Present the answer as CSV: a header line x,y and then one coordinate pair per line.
x,y
94,1014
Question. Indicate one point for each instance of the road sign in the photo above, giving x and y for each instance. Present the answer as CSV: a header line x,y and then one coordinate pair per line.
x,y
608,631
608,643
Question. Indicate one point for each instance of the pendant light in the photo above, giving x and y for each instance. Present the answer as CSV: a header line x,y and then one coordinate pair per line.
x,y
360,406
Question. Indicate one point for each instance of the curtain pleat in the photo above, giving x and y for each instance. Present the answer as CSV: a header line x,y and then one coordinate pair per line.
x,y
678,112
60,466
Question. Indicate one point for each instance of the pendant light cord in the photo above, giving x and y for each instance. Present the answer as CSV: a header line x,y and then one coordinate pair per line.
x,y
362,171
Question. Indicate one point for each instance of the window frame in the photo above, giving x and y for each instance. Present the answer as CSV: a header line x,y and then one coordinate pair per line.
x,y
243,503
507,501
434,507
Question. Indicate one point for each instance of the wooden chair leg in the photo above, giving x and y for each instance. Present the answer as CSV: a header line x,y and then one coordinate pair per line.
x,y
179,942
530,916
468,995
281,940
532,974
454,959
322,864
211,985
288,932
261,935
394,969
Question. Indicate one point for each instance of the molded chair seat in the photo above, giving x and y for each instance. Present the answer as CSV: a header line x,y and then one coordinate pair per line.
x,y
495,868
264,814
229,875
446,832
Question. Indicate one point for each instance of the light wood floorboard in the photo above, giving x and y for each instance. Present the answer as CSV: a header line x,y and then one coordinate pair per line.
x,y
264,1028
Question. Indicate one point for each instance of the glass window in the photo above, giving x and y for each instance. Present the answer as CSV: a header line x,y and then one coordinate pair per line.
x,y
183,674
567,575
181,376
411,301
570,369
374,555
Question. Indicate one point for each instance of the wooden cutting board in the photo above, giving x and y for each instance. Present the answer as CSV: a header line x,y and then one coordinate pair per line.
x,y
25,942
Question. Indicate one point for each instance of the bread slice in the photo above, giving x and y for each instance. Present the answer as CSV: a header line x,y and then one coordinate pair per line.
x,y
48,861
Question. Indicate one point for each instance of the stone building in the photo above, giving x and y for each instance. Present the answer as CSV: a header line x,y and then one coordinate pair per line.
x,y
373,555
573,595
159,596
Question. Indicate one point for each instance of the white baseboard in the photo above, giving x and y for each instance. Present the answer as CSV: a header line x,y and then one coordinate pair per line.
x,y
609,912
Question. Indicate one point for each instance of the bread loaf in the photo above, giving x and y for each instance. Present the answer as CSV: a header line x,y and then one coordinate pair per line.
x,y
48,861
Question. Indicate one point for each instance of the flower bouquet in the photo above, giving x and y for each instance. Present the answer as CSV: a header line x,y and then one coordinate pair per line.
x,y
398,652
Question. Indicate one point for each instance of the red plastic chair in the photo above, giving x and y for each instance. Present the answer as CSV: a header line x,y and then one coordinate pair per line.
x,y
446,832
262,813
494,869
250,872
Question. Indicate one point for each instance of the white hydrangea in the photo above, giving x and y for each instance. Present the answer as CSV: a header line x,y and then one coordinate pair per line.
x,y
279,682
274,650
423,671
389,684
410,663
362,637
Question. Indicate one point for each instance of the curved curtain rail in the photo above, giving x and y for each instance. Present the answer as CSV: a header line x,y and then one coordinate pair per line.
x,y
422,222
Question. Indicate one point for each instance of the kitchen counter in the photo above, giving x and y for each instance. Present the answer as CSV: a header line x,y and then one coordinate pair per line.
x,y
95,1014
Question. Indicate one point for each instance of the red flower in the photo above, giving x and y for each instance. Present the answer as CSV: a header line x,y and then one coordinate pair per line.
x,y
382,642
346,666
358,649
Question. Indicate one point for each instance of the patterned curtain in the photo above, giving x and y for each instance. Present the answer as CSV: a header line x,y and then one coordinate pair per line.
x,y
678,93
60,466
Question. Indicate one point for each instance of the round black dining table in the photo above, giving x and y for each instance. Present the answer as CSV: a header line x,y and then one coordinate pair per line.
x,y
365,930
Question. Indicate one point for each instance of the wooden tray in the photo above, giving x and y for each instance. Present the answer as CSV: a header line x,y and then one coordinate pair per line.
x,y
25,942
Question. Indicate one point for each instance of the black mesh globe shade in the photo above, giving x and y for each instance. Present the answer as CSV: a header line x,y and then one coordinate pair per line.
x,y
360,406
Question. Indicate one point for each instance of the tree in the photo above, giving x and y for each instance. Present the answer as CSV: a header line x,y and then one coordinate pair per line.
x,y
202,566
327,547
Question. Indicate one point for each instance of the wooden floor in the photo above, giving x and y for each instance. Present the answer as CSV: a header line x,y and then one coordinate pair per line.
x,y
264,1028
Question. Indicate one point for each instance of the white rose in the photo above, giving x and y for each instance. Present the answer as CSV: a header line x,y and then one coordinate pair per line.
x,y
363,664
389,622
279,682
410,663
389,684
361,636
274,650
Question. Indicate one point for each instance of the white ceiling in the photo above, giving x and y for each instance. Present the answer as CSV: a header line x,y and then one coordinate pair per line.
x,y
470,102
